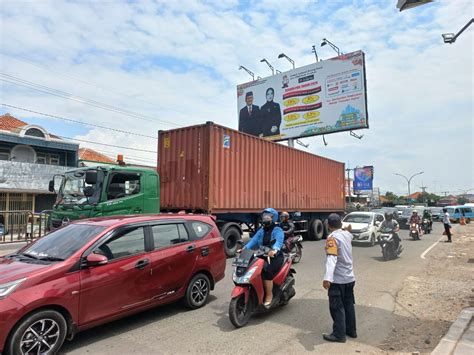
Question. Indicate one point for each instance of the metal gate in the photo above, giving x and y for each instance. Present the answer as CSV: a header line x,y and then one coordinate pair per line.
x,y
22,225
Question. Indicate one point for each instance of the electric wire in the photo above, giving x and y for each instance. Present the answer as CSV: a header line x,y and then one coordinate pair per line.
x,y
76,121
65,95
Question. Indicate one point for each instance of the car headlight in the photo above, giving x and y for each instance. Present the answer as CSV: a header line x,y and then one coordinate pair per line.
x,y
7,288
363,230
245,279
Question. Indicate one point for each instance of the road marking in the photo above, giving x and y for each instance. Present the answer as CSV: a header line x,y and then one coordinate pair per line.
x,y
431,247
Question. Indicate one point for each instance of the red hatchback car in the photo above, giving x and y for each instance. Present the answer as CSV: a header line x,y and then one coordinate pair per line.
x,y
94,271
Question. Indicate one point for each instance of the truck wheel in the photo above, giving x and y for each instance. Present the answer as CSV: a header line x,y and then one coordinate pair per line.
x,y
316,230
326,228
231,235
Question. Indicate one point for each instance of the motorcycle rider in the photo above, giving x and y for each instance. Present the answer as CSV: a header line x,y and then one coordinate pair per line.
x,y
392,224
264,237
287,226
427,215
415,219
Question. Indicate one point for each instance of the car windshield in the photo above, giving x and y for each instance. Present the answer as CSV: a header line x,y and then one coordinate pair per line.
x,y
358,218
408,212
63,242
72,189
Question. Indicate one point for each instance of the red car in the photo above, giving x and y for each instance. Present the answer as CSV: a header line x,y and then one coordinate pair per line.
x,y
94,271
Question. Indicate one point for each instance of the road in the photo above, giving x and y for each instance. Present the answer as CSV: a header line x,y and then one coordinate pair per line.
x,y
296,328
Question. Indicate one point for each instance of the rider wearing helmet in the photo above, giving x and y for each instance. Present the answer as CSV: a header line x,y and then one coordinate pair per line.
x,y
415,218
392,224
269,235
287,225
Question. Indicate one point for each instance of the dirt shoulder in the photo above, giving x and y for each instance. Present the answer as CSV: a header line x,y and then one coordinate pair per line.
x,y
429,302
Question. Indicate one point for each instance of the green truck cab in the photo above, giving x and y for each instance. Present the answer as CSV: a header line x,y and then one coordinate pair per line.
x,y
104,191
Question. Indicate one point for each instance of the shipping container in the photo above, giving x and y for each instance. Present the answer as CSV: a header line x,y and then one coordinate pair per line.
x,y
214,169
217,170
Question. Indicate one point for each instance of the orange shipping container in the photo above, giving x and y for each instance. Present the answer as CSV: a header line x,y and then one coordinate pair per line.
x,y
213,169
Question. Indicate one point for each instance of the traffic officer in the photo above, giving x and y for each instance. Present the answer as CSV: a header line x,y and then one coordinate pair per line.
x,y
339,280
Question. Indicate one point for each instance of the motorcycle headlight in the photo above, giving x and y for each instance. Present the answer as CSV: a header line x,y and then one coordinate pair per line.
x,y
7,288
245,279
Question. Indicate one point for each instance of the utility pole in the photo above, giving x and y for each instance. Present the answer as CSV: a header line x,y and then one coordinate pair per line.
x,y
445,193
423,191
349,183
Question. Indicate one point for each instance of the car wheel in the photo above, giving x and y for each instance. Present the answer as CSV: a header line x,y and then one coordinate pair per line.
x,y
42,332
372,240
197,292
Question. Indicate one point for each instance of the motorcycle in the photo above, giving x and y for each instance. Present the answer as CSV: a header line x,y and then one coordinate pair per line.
x,y
248,293
426,226
387,243
294,247
414,231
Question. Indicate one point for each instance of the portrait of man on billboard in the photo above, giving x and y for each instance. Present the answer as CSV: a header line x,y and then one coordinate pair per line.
x,y
248,116
270,115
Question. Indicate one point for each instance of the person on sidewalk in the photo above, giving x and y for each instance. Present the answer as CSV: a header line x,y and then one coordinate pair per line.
x,y
339,280
447,225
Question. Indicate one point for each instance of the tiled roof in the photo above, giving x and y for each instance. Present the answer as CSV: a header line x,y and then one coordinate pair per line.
x,y
10,123
92,155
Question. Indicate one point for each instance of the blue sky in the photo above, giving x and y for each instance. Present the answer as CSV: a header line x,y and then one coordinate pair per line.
x,y
175,64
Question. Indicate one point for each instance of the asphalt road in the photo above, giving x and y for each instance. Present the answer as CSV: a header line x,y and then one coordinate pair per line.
x,y
296,328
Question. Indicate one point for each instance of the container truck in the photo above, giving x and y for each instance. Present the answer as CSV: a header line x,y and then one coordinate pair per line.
x,y
215,170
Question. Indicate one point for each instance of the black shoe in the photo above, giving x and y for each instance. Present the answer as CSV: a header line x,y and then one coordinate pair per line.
x,y
352,335
330,337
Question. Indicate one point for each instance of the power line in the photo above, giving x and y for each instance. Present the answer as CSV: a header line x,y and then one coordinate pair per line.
x,y
65,95
76,121
107,145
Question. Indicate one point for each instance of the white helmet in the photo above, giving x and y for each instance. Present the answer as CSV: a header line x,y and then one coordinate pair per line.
x,y
414,211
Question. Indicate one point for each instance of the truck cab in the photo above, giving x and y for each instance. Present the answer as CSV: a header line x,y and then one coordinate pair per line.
x,y
104,191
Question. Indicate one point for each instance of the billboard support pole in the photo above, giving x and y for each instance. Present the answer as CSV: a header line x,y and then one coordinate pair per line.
x,y
291,143
349,183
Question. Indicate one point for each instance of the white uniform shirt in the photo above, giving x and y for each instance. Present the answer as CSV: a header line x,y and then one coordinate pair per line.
x,y
339,267
446,218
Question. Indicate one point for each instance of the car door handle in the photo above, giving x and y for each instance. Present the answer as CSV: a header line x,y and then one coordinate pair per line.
x,y
191,248
141,264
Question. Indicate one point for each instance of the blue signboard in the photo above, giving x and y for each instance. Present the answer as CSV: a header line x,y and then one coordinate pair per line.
x,y
363,178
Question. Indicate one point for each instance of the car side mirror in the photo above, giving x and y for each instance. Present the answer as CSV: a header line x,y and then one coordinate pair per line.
x,y
88,191
51,186
96,260
91,177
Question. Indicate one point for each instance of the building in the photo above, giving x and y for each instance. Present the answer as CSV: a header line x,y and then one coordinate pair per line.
x,y
89,157
29,158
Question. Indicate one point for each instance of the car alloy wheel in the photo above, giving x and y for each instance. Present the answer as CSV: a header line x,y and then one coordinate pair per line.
x,y
40,337
197,291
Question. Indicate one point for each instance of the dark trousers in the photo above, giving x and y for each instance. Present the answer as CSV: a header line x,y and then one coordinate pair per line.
x,y
447,229
341,306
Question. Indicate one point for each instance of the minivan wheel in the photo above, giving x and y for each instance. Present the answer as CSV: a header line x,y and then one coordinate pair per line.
x,y
197,292
42,332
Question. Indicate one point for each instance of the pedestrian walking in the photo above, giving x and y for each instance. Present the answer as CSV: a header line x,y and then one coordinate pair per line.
x,y
447,225
339,280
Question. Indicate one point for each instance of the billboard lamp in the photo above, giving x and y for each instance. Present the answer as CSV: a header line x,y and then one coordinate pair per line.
x,y
451,37
248,71
283,55
269,65
356,135
332,45
315,53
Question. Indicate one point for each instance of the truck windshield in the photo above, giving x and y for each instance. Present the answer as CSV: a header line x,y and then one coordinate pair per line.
x,y
72,189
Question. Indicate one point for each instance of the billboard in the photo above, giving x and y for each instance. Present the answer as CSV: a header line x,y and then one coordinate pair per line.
x,y
321,98
363,178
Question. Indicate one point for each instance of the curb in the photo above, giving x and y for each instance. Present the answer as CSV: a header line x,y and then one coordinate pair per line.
x,y
450,340
12,246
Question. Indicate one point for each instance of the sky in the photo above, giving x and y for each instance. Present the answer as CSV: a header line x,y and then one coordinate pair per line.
x,y
145,66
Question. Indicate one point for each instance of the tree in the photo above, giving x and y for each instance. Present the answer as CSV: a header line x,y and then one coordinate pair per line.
x,y
391,196
462,200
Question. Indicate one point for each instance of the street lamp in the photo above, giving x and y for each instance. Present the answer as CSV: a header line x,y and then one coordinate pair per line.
x,y
332,45
269,65
248,71
409,180
283,55
451,37
409,4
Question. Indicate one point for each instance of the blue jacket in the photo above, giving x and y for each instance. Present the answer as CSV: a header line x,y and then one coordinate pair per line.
x,y
277,234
